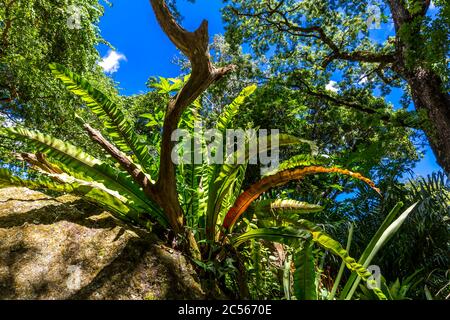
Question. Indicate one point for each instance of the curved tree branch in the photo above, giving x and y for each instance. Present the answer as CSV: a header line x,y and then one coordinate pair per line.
x,y
195,46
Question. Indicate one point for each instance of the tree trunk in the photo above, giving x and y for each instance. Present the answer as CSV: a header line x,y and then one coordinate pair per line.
x,y
428,94
427,88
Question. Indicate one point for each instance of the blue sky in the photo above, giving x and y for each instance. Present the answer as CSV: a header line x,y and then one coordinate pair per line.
x,y
143,50
131,28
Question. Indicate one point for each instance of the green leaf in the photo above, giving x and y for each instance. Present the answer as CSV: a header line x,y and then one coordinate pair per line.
x,y
223,178
428,294
286,235
305,273
279,207
301,160
382,236
105,198
337,281
81,165
117,125
287,277
7,179
289,235
225,119
333,246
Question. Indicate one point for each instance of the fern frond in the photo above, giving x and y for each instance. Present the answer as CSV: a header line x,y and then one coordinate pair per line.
x,y
116,123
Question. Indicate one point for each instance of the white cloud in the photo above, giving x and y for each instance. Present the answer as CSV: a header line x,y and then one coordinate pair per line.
x,y
363,80
331,86
7,123
111,62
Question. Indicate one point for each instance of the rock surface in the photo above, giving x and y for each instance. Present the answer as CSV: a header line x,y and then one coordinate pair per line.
x,y
63,248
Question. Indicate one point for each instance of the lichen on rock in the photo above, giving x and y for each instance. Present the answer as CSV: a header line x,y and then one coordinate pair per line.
x,y
65,248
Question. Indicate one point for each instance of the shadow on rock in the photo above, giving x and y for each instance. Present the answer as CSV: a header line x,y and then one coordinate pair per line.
x,y
65,248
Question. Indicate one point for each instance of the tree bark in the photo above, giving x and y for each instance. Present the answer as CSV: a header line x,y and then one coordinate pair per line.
x,y
428,94
195,46
427,88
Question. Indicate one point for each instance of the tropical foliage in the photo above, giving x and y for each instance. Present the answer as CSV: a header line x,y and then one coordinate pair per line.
x,y
316,227
209,193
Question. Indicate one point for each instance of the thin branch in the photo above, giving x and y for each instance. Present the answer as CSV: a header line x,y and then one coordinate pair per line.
x,y
354,105
133,170
39,162
285,25
380,73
